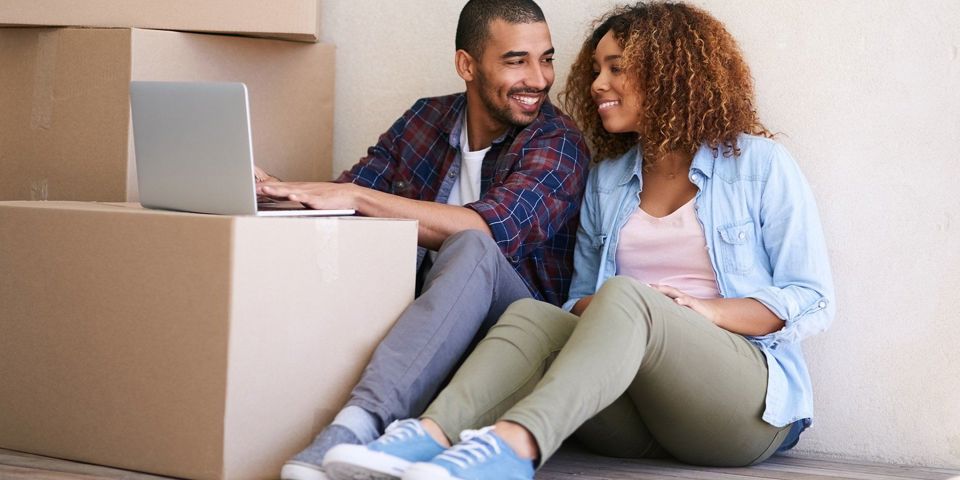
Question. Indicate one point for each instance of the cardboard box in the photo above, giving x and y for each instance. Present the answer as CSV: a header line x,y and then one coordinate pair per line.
x,y
187,345
65,127
287,19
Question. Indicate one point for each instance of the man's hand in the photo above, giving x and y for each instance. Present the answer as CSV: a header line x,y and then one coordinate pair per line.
x,y
316,195
261,176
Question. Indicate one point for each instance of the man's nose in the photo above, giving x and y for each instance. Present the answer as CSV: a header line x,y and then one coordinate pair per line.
x,y
537,78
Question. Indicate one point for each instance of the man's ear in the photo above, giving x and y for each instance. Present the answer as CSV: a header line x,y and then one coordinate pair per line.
x,y
466,65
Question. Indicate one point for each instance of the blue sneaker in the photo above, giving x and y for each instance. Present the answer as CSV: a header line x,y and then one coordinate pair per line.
x,y
386,458
481,455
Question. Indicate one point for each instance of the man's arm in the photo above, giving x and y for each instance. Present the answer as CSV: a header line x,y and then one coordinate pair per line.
x,y
365,186
437,221
540,196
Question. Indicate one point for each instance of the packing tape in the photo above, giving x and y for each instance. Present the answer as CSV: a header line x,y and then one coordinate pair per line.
x,y
43,80
328,248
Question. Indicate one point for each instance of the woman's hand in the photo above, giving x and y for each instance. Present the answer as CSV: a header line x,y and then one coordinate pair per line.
x,y
701,306
743,316
581,305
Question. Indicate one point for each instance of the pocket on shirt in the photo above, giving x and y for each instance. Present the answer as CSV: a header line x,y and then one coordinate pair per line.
x,y
736,246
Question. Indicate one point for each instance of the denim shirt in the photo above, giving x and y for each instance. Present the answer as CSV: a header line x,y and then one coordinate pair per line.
x,y
765,242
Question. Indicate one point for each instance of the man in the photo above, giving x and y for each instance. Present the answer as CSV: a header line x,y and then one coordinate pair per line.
x,y
495,177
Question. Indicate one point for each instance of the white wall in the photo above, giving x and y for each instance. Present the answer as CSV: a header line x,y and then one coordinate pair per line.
x,y
866,93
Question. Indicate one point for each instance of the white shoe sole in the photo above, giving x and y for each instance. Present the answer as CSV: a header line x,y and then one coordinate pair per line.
x,y
357,462
301,471
427,471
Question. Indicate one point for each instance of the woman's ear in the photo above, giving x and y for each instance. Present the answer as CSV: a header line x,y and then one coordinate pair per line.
x,y
466,65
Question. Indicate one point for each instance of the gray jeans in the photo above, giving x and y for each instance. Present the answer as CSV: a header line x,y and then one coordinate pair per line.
x,y
470,285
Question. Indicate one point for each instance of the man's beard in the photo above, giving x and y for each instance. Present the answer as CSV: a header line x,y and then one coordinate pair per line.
x,y
503,113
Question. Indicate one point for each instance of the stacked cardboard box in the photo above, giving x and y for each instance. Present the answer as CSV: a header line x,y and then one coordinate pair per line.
x,y
194,346
286,19
65,131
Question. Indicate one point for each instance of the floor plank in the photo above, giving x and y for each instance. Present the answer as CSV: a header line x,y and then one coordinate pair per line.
x,y
570,464
18,466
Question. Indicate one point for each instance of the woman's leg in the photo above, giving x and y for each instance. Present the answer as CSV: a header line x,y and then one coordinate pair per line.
x,y
698,389
619,431
503,368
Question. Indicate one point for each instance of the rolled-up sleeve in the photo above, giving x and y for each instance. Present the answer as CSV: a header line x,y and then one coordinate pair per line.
x,y
802,292
539,196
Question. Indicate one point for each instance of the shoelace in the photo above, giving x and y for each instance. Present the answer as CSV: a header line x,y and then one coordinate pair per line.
x,y
402,430
475,446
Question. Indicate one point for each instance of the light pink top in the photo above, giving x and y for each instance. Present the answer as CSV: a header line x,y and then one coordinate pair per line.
x,y
670,250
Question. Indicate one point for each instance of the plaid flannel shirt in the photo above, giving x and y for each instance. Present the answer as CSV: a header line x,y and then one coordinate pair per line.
x,y
532,181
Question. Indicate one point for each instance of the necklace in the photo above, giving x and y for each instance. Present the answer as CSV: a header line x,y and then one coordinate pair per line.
x,y
656,166
669,175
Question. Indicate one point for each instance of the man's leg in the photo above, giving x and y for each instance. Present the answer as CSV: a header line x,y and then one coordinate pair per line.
x,y
466,291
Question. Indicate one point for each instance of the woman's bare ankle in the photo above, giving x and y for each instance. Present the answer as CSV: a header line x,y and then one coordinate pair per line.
x,y
435,432
519,439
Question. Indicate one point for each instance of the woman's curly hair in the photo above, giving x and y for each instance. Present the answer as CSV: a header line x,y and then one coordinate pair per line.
x,y
696,86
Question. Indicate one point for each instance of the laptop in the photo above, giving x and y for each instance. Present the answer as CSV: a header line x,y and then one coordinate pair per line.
x,y
194,150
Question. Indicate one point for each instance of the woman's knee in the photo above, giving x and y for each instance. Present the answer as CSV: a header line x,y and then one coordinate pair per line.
x,y
625,290
533,319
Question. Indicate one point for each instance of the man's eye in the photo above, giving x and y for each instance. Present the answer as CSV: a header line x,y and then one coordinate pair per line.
x,y
548,60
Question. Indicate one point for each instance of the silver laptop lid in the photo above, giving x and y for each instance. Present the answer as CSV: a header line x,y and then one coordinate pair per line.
x,y
193,147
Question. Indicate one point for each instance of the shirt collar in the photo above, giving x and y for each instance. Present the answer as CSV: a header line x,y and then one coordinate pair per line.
x,y
637,153
703,162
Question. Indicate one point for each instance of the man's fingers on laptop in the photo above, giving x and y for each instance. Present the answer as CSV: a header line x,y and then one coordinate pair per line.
x,y
263,176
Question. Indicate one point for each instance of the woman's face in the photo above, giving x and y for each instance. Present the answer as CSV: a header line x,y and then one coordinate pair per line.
x,y
618,103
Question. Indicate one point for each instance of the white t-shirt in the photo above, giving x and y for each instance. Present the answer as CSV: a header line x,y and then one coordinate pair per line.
x,y
466,188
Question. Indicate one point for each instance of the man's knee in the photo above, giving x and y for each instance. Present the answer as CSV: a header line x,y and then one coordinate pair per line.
x,y
467,241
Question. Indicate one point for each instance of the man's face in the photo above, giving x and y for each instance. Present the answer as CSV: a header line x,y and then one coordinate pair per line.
x,y
515,72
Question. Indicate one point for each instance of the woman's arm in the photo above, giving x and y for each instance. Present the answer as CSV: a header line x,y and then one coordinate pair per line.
x,y
586,253
743,316
802,289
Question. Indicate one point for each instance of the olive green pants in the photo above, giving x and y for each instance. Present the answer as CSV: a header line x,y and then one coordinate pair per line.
x,y
635,376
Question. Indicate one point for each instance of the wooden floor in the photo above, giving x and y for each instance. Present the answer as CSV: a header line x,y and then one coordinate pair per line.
x,y
569,464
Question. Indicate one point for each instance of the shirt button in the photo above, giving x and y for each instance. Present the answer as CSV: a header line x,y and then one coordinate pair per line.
x,y
742,235
822,304
452,174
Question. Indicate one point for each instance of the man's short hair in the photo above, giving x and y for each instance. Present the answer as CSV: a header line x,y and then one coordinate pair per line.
x,y
473,28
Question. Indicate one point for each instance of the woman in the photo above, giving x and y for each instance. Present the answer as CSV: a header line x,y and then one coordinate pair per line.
x,y
700,266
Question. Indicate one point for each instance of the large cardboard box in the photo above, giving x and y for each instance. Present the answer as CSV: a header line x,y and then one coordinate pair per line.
x,y
65,128
287,19
187,345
